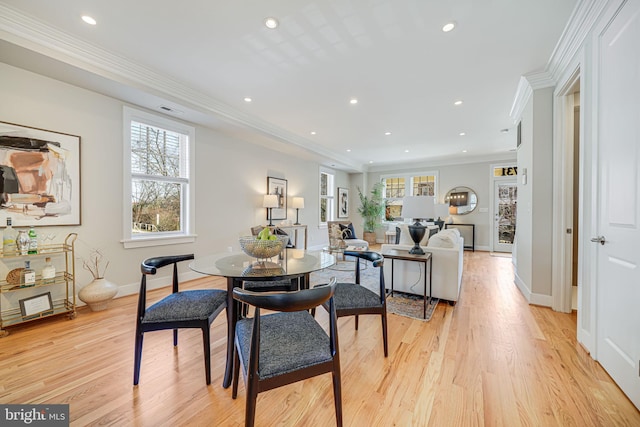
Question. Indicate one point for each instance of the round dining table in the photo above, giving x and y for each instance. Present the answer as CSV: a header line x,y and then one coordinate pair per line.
x,y
238,267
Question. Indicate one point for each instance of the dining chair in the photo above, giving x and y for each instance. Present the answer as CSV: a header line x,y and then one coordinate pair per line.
x,y
287,346
196,308
353,299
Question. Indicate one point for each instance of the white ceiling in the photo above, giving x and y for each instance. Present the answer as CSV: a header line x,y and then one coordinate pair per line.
x,y
202,58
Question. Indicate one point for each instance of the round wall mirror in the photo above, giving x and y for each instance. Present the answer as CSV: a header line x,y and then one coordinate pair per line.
x,y
461,200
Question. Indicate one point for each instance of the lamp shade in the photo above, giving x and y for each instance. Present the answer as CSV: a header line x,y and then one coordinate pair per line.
x,y
418,207
441,210
297,203
270,201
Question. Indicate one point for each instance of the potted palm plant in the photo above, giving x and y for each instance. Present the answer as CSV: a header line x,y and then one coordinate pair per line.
x,y
371,208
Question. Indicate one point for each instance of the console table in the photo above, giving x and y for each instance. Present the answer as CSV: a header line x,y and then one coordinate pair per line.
x,y
472,246
293,228
404,255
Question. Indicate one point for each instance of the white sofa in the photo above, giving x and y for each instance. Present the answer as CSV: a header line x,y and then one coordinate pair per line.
x,y
447,250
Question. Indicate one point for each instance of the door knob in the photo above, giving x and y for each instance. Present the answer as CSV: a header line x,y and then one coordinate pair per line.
x,y
599,239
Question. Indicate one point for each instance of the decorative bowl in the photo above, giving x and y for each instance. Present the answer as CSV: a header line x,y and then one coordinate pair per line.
x,y
262,249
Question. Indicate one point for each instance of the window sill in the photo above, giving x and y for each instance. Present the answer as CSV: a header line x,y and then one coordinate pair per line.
x,y
145,242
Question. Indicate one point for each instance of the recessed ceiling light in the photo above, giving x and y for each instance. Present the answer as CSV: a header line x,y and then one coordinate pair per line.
x,y
458,102
271,23
387,133
247,99
313,132
370,161
406,151
462,133
464,151
353,101
348,150
448,26
89,20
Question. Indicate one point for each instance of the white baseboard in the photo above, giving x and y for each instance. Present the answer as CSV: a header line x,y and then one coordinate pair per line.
x,y
532,298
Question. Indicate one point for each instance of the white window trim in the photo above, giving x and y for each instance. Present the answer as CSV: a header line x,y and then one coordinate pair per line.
x,y
408,184
188,234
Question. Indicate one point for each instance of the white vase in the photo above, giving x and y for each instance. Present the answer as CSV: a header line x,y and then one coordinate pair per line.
x,y
98,293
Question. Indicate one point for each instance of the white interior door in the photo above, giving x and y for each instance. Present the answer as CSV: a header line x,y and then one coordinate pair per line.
x,y
618,277
505,209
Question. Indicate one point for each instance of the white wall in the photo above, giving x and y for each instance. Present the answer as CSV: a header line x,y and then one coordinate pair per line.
x,y
230,176
533,267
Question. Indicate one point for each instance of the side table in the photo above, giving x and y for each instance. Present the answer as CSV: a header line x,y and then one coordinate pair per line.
x,y
404,255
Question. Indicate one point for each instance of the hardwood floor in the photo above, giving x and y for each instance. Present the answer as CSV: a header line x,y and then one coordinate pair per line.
x,y
491,360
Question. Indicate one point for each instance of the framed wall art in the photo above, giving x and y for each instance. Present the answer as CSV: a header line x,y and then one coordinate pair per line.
x,y
343,202
278,186
36,305
39,176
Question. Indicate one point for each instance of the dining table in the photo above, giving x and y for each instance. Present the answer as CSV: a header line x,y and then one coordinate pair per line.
x,y
238,267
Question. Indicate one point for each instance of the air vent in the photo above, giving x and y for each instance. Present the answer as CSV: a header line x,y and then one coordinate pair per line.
x,y
162,107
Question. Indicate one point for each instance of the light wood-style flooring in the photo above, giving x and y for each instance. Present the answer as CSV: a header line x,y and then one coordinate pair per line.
x,y
492,360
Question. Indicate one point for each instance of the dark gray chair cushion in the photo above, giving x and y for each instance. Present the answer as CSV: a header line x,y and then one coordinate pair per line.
x,y
350,295
288,342
186,305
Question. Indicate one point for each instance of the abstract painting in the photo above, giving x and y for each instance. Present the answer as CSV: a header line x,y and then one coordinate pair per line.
x,y
39,176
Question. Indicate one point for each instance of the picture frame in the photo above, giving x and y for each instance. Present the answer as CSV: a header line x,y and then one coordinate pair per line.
x,y
34,306
39,176
277,186
343,202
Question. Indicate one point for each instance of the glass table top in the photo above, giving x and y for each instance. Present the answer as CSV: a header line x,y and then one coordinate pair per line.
x,y
240,265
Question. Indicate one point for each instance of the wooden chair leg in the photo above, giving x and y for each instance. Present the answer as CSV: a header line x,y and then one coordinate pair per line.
x,y
137,356
236,373
175,337
252,397
384,334
337,396
206,339
357,322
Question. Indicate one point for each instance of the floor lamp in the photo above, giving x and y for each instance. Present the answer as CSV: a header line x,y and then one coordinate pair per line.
x,y
297,203
270,202
417,208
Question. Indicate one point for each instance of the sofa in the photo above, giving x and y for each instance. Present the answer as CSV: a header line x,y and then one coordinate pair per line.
x,y
447,256
342,234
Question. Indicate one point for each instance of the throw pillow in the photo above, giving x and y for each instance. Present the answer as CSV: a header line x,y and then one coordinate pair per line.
x,y
346,233
353,231
405,238
444,239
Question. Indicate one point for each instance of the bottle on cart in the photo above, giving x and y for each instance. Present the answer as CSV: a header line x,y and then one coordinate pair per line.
x,y
9,238
48,271
33,241
27,276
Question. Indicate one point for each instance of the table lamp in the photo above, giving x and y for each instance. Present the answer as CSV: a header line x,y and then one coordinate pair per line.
x,y
297,203
270,202
442,212
417,207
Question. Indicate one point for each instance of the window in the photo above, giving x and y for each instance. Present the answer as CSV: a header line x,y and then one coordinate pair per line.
x,y
397,187
326,198
158,200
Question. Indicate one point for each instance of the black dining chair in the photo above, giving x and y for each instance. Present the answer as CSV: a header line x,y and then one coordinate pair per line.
x,y
288,346
353,299
196,308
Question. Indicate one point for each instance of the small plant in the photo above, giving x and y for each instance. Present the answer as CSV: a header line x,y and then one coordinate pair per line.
x,y
371,207
94,264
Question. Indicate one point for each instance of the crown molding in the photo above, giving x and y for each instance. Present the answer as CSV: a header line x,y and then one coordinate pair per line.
x,y
29,33
581,22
